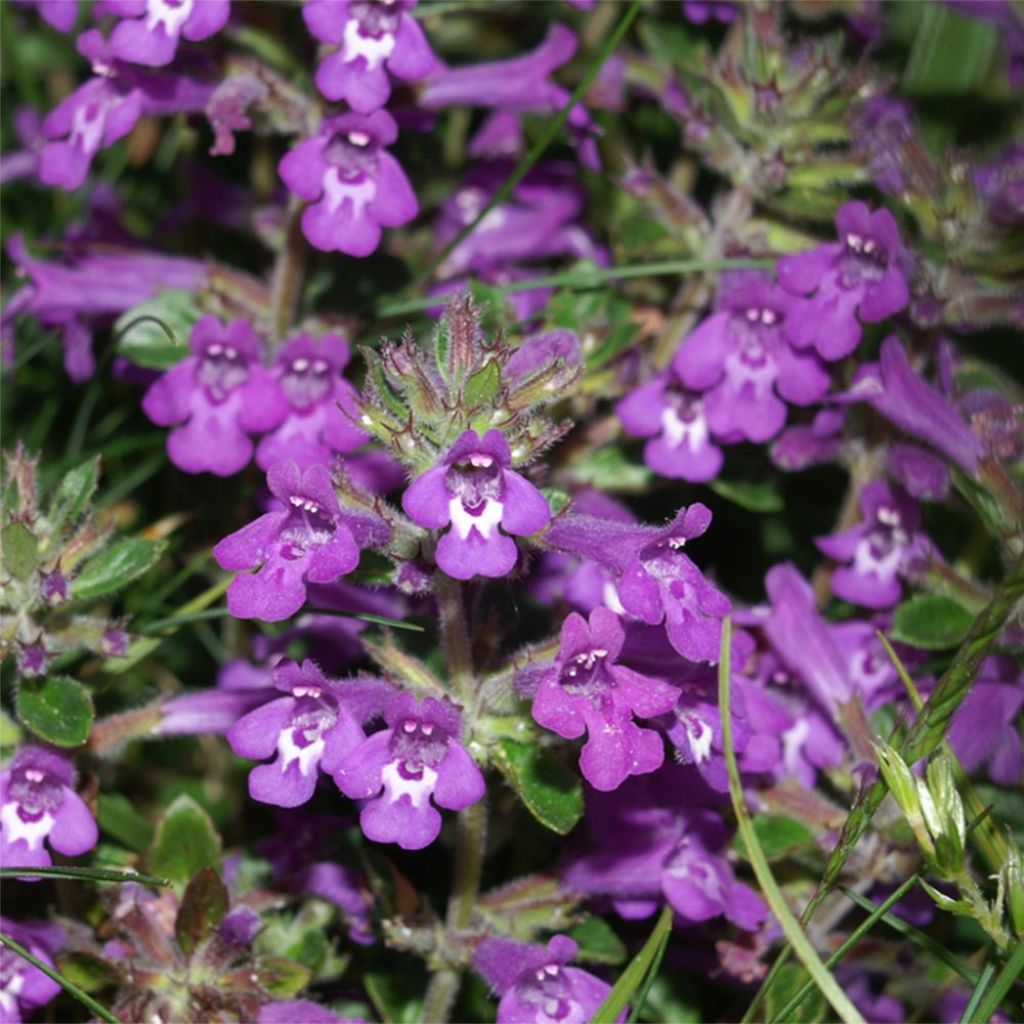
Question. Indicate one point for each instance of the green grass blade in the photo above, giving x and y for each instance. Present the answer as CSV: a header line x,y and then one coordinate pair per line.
x,y
769,887
541,145
652,973
918,937
988,972
73,990
84,875
789,1010
1012,971
636,972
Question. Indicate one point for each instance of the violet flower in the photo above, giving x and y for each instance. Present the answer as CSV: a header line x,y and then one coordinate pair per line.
x,y
23,987
323,404
355,186
984,729
309,729
398,770
661,584
587,690
107,107
219,395
860,273
674,418
306,541
370,37
477,493
920,473
38,804
150,30
740,357
801,639
880,549
240,688
58,14
91,285
895,391
292,1011
536,985
813,444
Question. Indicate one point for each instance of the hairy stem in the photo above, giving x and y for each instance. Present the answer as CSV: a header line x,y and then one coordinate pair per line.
x,y
288,273
472,821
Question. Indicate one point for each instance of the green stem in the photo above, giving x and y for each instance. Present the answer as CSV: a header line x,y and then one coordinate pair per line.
x,y
83,997
458,657
1011,972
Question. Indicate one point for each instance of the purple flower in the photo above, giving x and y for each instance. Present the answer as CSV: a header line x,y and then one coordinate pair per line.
x,y
354,184
675,419
587,690
23,987
219,394
307,730
107,107
38,803
811,445
883,130
475,490
370,37
802,640
895,391
700,12
240,688
58,14
984,729
323,404
1001,184
399,769
921,474
880,548
651,840
92,284
151,29
305,541
536,986
661,584
740,358
860,273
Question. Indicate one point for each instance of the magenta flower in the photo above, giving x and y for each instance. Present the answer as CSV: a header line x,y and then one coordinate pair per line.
x,y
308,730
398,770
879,549
151,29
372,39
661,584
322,404
219,394
674,418
355,186
587,690
741,359
536,985
291,1011
476,491
860,273
38,804
305,541
23,987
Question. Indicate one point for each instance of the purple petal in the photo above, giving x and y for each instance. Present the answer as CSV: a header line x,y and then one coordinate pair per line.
x,y
426,499
459,781
399,821
700,362
461,559
526,510
74,828
359,774
256,734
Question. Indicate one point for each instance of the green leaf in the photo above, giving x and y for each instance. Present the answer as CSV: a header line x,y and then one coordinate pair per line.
x,y
10,733
751,495
88,972
397,996
482,386
185,841
202,909
639,969
282,978
125,560
551,792
98,875
1011,972
20,550
118,818
952,53
73,494
598,942
931,621
780,999
777,834
149,344
609,468
57,709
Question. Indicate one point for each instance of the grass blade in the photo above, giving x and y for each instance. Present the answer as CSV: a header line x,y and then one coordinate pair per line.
x,y
639,969
769,887
73,990
84,875
1012,971
988,972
